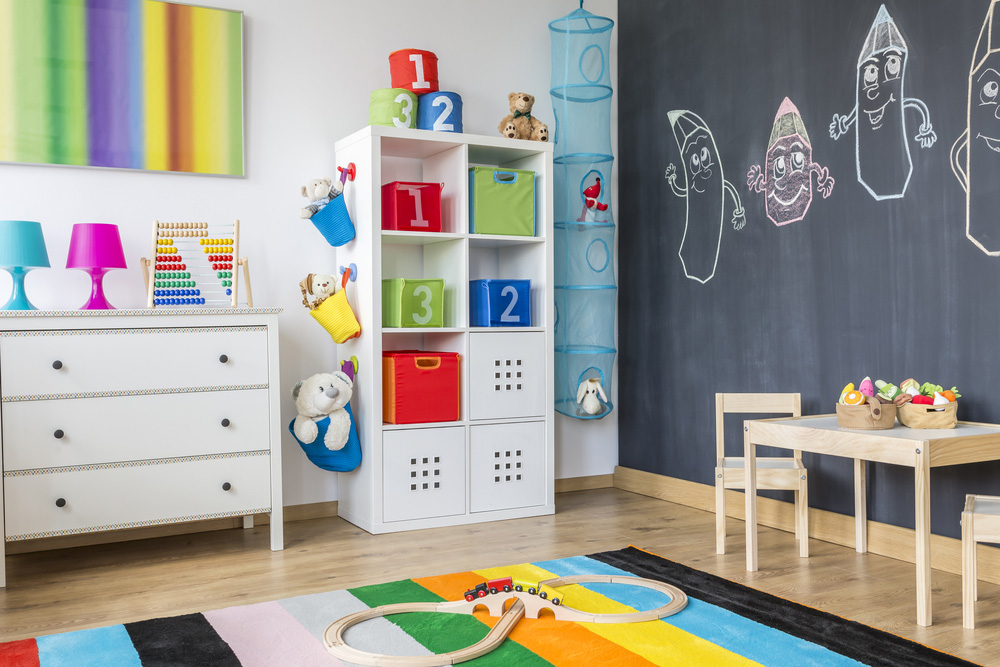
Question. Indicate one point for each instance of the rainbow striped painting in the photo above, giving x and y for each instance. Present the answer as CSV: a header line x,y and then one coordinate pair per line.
x,y
130,84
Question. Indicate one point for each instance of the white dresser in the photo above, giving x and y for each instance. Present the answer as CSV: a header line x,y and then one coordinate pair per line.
x,y
127,418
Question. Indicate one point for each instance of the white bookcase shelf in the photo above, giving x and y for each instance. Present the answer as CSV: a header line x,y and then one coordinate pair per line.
x,y
497,461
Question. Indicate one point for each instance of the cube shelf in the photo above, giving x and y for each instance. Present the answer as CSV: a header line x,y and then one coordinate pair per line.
x,y
456,472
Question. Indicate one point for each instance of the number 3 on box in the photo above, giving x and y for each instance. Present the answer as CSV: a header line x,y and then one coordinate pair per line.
x,y
404,120
423,292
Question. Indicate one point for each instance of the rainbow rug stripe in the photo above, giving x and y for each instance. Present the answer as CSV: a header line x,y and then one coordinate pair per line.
x,y
724,624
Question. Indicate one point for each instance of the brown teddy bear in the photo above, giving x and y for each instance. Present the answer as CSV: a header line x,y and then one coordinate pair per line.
x,y
519,123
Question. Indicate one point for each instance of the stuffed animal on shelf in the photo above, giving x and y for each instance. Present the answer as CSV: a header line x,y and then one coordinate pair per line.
x,y
319,285
519,123
318,397
320,192
587,396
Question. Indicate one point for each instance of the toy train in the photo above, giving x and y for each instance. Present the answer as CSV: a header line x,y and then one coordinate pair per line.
x,y
506,585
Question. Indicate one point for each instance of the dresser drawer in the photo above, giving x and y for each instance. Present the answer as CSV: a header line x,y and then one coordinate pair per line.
x,y
126,497
77,431
114,360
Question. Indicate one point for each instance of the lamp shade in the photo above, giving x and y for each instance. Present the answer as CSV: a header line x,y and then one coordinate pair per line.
x,y
95,245
22,244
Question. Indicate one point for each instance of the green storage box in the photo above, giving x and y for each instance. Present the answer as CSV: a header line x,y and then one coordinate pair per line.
x,y
501,201
395,107
413,302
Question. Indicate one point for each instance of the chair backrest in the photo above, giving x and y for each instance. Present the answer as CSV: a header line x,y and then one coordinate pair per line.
x,y
763,404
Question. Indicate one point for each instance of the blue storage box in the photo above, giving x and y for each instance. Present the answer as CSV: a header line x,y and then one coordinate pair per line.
x,y
499,303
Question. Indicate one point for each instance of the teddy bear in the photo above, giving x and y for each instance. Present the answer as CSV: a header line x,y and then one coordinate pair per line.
x,y
319,192
519,123
318,397
320,285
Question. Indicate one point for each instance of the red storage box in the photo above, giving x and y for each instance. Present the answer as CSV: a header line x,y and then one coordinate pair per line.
x,y
420,387
411,207
415,70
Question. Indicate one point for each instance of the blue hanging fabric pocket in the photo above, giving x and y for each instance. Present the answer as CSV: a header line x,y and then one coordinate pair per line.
x,y
334,223
345,459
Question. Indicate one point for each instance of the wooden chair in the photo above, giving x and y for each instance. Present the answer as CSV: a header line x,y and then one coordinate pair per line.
x,y
980,523
782,473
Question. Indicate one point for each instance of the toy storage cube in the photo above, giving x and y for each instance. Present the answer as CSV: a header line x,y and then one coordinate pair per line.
x,y
499,303
423,473
413,302
507,466
507,375
414,69
501,201
440,112
411,207
394,107
420,387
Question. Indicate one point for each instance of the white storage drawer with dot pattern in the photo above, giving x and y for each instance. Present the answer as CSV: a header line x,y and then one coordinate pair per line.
x,y
129,418
508,466
424,473
507,375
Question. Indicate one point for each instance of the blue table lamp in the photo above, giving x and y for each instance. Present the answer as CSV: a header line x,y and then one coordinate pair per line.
x,y
22,248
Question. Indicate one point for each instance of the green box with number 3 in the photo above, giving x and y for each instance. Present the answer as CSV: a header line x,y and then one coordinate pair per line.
x,y
413,302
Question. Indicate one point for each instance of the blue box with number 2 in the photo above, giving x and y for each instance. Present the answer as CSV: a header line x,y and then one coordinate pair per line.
x,y
499,303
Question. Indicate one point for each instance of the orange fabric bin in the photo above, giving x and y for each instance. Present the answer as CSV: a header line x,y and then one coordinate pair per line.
x,y
420,387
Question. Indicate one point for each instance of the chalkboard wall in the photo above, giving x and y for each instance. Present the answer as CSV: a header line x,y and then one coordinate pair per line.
x,y
862,282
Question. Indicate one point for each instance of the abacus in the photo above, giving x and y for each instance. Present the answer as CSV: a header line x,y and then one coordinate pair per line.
x,y
195,264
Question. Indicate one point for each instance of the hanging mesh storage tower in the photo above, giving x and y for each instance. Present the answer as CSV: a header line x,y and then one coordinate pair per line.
x,y
585,290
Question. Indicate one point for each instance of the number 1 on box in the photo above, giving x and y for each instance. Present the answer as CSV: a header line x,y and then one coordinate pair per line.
x,y
418,63
418,210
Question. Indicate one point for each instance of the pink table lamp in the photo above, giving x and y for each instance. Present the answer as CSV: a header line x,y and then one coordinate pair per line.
x,y
96,248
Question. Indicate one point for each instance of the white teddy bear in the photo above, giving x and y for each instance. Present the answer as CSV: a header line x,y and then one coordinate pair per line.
x,y
319,396
320,285
319,192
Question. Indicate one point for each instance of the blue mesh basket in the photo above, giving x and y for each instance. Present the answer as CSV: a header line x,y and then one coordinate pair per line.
x,y
585,290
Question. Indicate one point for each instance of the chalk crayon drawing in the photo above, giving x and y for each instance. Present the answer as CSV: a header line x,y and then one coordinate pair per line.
x,y
788,168
882,152
976,170
704,192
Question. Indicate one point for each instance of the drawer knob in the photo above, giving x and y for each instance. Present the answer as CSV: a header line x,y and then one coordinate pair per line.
x,y
57,364
58,434
60,502
225,422
223,359
226,486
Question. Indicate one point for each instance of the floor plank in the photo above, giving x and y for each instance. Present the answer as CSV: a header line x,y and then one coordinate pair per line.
x,y
67,589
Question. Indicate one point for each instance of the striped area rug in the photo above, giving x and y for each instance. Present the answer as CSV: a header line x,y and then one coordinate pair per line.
x,y
724,624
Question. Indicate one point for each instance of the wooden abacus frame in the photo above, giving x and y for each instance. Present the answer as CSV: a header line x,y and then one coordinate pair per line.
x,y
192,236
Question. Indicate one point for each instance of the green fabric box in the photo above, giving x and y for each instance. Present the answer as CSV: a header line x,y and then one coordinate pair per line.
x,y
413,302
501,201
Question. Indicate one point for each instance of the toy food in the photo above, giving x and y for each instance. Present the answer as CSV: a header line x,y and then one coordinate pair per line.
x,y
849,388
902,398
854,397
866,387
920,399
910,386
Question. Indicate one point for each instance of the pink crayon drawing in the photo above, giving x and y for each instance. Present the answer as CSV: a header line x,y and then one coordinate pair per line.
x,y
788,169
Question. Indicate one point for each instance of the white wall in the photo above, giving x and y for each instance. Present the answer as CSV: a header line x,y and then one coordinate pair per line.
x,y
310,67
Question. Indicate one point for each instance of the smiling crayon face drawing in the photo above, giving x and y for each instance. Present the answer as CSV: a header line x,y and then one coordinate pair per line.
x,y
704,193
788,169
882,150
981,141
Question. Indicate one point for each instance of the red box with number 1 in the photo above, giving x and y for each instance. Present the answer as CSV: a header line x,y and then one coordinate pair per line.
x,y
411,207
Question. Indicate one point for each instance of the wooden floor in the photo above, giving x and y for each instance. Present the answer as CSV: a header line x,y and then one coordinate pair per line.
x,y
83,587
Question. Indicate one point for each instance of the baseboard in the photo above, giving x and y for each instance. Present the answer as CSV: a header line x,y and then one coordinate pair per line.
x,y
584,483
883,539
291,512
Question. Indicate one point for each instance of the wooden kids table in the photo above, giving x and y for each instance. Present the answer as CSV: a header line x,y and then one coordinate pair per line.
x,y
920,449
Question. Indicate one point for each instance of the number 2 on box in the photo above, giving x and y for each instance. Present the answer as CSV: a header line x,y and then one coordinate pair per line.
x,y
439,124
512,293
423,292
418,64
419,210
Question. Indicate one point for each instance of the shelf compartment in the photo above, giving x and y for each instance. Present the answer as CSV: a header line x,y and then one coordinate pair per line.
x,y
423,473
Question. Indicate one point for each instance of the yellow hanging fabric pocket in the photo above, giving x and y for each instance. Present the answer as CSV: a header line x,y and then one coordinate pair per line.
x,y
337,316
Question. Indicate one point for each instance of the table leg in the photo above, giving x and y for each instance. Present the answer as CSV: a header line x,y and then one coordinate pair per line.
x,y
922,522
750,490
860,507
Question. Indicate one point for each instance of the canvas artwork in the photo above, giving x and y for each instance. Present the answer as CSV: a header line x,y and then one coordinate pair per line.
x,y
130,84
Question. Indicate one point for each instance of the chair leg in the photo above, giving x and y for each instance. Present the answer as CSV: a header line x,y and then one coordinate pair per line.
x,y
968,573
802,515
720,511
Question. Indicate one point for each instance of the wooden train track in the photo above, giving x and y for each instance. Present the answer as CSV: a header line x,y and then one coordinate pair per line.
x,y
520,605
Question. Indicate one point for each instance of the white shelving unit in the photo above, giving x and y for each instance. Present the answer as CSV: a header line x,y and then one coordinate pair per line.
x,y
497,461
